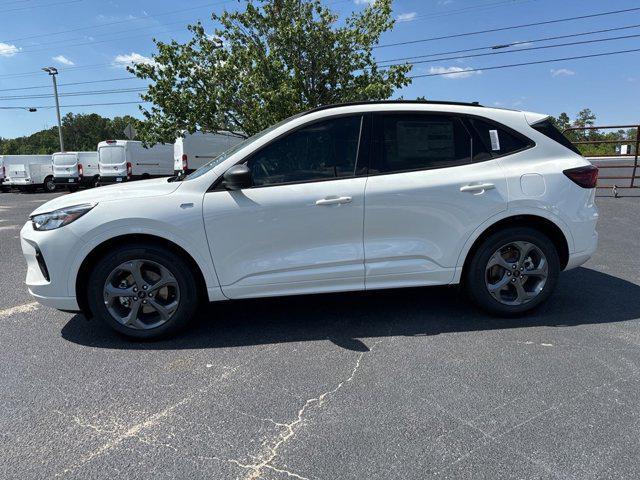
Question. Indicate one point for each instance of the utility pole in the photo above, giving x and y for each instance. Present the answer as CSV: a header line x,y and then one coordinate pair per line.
x,y
52,71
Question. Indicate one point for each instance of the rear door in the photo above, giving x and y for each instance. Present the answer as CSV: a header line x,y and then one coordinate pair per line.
x,y
432,183
65,165
112,161
299,228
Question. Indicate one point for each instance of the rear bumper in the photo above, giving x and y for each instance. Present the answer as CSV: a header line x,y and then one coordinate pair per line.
x,y
578,258
105,180
67,180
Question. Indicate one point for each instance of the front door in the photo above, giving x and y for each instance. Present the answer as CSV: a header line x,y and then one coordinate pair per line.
x,y
299,228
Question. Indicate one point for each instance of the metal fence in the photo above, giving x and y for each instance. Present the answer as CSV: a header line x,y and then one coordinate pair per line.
x,y
622,169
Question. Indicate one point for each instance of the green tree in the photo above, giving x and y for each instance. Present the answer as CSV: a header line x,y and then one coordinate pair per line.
x,y
268,62
82,132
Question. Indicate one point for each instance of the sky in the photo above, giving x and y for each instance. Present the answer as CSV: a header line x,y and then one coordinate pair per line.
x,y
93,40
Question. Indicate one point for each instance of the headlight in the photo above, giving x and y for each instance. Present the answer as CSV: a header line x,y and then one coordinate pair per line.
x,y
60,218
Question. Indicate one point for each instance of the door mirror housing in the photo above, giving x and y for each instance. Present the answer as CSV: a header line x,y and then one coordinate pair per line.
x,y
237,178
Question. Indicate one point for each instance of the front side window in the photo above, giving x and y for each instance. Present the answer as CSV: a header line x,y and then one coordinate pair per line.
x,y
321,151
405,142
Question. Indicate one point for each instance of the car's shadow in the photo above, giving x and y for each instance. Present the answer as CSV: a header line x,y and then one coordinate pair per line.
x,y
583,296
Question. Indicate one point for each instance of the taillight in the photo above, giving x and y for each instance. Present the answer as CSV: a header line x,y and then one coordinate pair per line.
x,y
80,170
129,169
586,176
185,162
110,142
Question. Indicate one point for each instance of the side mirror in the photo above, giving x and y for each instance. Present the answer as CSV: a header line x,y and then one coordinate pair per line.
x,y
237,178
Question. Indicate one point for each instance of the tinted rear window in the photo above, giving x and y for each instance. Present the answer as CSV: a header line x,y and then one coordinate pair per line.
x,y
548,129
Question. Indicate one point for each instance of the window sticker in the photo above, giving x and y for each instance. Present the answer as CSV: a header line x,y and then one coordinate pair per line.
x,y
424,139
495,140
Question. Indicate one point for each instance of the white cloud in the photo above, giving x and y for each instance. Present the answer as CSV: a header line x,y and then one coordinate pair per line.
x,y
406,17
562,72
454,72
364,2
131,59
63,60
8,50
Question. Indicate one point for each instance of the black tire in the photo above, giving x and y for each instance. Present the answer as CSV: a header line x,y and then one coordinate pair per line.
x,y
95,182
475,274
49,185
188,302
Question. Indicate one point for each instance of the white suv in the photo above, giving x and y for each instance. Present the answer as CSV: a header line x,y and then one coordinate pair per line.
x,y
349,197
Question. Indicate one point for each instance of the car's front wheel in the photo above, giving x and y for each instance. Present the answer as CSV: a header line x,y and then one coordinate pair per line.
x,y
513,271
143,291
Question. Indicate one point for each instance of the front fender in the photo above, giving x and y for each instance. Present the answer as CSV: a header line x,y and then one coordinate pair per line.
x,y
191,238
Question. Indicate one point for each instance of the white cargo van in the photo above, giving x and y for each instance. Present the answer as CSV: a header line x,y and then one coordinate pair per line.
x,y
28,172
74,169
192,150
2,186
126,160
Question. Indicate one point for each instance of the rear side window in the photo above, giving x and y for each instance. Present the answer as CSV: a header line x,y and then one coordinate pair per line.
x,y
497,139
405,142
548,129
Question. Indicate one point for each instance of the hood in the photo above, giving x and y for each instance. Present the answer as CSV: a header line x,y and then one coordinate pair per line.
x,y
128,190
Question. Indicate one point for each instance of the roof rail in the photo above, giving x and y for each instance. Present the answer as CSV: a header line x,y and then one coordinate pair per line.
x,y
382,102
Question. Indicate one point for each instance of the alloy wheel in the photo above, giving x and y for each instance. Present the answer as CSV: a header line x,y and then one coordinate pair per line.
x,y
516,273
141,294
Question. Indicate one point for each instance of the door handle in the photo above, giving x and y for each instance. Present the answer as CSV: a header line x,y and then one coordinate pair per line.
x,y
477,188
334,200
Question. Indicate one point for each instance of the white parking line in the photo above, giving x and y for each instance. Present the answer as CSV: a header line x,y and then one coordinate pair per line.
x,y
27,307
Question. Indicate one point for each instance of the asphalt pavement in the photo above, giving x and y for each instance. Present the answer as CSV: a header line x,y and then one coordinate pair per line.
x,y
406,384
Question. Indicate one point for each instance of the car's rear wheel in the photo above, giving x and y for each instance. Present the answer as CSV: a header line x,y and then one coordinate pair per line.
x,y
143,291
49,185
513,271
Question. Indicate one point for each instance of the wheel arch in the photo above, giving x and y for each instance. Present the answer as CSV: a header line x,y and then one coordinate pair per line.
x,y
542,224
100,249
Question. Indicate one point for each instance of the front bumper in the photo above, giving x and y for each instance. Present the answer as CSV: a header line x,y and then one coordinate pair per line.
x,y
53,250
19,181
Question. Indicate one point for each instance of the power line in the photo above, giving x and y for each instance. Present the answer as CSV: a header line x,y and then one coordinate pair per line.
x,y
543,47
41,6
69,84
70,106
512,44
459,11
538,62
118,22
513,27
76,94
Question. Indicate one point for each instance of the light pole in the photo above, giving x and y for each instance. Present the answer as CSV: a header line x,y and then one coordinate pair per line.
x,y
52,71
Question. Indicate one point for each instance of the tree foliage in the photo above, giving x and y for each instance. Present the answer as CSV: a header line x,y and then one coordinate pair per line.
x,y
81,132
261,65
586,118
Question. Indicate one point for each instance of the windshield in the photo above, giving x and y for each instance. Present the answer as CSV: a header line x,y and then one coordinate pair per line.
x,y
236,148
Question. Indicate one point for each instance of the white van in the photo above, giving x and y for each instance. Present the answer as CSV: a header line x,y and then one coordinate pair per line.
x,y
192,150
74,169
126,160
2,187
27,172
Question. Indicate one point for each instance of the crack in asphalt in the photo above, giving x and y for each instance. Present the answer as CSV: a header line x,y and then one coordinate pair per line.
x,y
264,460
